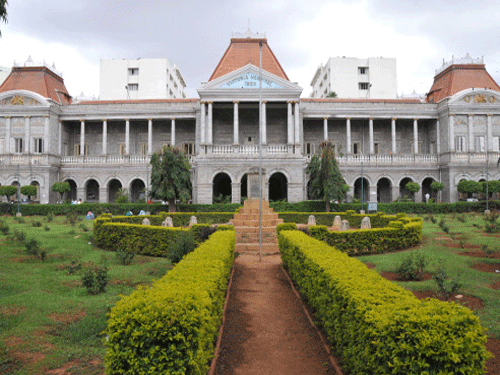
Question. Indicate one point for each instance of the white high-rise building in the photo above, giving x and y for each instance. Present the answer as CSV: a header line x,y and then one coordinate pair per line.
x,y
140,79
4,72
350,77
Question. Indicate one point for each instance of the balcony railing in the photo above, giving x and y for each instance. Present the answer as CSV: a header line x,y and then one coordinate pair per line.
x,y
272,149
114,159
386,160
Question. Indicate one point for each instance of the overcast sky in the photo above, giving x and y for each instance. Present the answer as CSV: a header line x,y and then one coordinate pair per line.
x,y
194,35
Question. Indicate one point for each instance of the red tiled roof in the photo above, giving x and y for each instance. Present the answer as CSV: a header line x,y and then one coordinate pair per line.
x,y
139,101
39,79
459,77
339,100
242,51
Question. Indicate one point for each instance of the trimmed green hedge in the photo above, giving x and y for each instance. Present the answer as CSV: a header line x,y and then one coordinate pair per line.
x,y
171,327
378,220
374,325
179,219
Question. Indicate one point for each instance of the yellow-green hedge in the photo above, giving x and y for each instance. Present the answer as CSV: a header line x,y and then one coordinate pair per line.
x,y
377,220
170,327
374,325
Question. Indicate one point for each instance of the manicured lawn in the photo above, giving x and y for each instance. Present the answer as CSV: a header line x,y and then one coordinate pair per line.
x,y
47,319
466,234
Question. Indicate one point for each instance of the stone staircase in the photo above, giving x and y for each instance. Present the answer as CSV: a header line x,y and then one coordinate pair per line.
x,y
246,224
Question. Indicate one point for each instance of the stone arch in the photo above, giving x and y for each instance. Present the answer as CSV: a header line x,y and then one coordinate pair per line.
x,y
462,176
71,195
114,184
384,190
244,186
426,189
278,186
222,187
362,189
92,190
137,190
36,183
402,189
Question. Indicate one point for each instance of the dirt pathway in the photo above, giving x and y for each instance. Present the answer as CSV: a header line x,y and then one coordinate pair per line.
x,y
266,329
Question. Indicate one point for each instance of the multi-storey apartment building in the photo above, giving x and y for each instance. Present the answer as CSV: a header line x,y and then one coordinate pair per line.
x,y
101,146
351,77
140,79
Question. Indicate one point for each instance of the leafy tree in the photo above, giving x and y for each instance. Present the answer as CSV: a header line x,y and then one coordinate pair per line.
x,y
412,187
170,176
469,187
3,12
325,178
8,191
332,94
29,190
437,186
61,188
122,196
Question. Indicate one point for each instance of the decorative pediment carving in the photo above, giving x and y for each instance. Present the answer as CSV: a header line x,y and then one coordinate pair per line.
x,y
22,98
475,97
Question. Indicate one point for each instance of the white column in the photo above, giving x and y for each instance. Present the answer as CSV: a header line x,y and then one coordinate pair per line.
x,y
325,128
348,135
104,138
27,134
415,136
172,130
46,136
451,123
438,138
202,123
297,125
127,137
59,139
489,132
210,119
393,135
289,123
236,131
150,136
82,137
264,124
7,135
470,118
370,135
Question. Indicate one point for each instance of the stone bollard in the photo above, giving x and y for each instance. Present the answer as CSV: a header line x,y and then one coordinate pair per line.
x,y
344,225
336,223
366,223
146,221
312,220
168,222
192,221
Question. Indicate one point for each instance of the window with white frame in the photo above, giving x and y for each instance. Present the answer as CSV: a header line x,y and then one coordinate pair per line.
x,y
419,149
376,148
355,148
18,145
460,145
309,148
480,143
188,148
362,70
496,144
133,87
144,148
37,145
85,150
133,71
364,85
122,149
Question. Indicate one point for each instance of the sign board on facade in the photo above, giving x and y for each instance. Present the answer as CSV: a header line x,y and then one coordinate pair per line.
x,y
249,81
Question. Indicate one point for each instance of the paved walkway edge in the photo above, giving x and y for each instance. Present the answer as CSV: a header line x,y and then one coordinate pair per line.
x,y
324,341
221,329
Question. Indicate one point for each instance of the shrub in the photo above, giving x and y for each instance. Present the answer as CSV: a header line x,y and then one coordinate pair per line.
x,y
19,237
32,247
72,217
285,226
412,267
376,326
446,287
4,227
49,217
95,279
36,223
47,228
125,257
183,246
491,224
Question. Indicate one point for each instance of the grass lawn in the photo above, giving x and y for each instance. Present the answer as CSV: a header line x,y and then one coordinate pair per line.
x,y
48,321
466,234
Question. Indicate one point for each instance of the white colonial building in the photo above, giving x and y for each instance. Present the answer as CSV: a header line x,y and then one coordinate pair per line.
x,y
350,77
101,146
140,79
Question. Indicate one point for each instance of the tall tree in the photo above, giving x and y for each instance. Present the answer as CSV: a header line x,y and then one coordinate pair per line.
x,y
170,176
29,190
325,178
3,12
8,191
61,188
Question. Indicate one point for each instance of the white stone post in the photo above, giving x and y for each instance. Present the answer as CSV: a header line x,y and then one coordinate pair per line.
x,y
127,137
470,121
104,138
59,139
348,131
150,136
264,124
370,135
325,128
27,134
415,136
46,136
82,137
236,131
210,124
438,138
7,135
172,130
297,127
289,123
489,131
451,122
202,124
393,135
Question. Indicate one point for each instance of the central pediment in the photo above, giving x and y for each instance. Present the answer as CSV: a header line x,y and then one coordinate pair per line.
x,y
244,83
